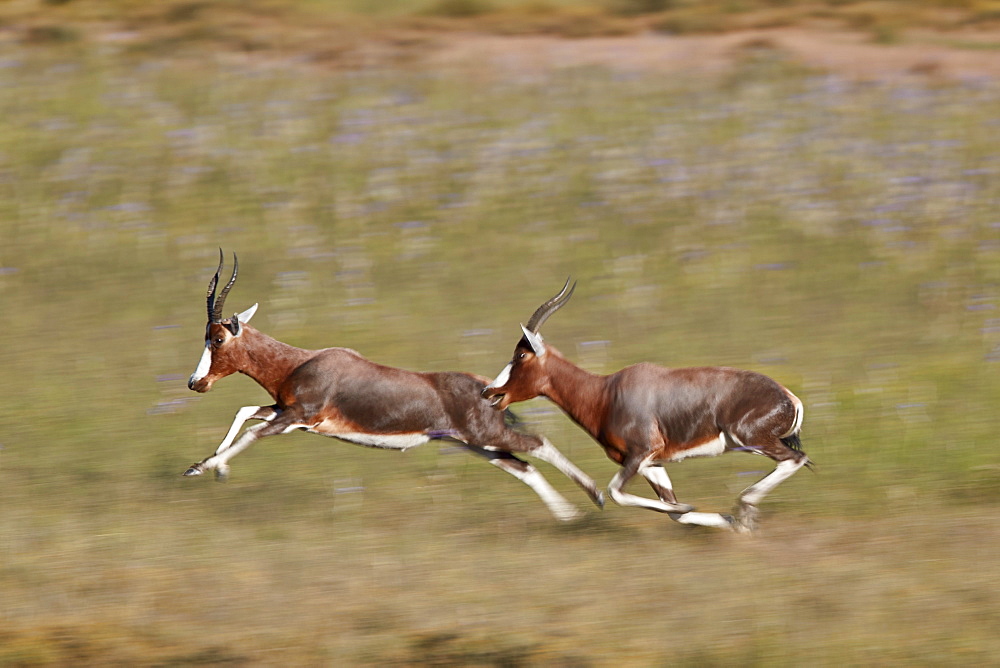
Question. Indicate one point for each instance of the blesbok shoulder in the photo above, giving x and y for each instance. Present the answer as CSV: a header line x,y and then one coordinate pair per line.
x,y
645,416
337,392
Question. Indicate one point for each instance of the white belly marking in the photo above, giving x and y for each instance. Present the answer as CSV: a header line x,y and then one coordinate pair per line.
x,y
707,449
386,441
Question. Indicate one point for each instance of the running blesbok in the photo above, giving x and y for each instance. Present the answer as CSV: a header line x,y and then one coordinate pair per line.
x,y
337,392
645,415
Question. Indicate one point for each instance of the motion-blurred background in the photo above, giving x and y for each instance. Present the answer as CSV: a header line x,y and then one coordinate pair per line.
x,y
806,189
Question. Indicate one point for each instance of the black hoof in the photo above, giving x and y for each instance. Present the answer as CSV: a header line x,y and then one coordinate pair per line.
x,y
194,470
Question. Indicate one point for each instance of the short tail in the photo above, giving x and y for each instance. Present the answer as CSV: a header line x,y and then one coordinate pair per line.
x,y
511,419
794,441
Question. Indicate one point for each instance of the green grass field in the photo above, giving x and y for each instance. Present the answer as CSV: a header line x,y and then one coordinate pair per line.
x,y
841,237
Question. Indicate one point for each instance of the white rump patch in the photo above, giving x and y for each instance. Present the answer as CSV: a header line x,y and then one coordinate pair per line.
x,y
799,414
503,378
204,364
711,448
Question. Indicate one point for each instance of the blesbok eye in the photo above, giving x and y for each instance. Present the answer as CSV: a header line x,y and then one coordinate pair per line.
x,y
521,356
219,341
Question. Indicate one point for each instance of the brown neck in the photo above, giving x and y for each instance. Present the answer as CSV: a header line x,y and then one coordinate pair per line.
x,y
269,361
578,392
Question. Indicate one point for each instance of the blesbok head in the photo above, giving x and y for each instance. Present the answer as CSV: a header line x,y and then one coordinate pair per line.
x,y
223,355
525,377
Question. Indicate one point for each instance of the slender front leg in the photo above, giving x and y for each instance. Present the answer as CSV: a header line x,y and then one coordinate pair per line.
x,y
626,473
658,479
229,449
549,454
529,475
266,413
660,482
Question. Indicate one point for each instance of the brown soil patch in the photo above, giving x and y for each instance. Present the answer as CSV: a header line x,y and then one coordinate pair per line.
x,y
847,54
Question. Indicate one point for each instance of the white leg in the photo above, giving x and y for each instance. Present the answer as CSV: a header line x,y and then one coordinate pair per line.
x,y
756,492
714,520
529,475
660,481
219,462
626,499
746,505
242,415
558,506
549,454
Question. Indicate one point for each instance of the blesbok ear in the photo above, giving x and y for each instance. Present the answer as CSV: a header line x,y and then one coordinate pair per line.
x,y
534,340
238,319
246,315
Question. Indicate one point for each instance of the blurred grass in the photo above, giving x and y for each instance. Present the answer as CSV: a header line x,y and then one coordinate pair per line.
x,y
841,237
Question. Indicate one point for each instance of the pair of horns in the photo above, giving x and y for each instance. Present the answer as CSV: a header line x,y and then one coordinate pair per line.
x,y
543,312
215,304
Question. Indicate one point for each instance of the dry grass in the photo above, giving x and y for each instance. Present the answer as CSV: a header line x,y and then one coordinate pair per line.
x,y
337,31
268,579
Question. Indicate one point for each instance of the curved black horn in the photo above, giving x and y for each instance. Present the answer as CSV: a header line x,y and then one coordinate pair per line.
x,y
212,315
543,312
221,301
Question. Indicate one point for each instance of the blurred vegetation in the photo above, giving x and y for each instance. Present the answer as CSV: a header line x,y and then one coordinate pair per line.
x,y
842,237
329,30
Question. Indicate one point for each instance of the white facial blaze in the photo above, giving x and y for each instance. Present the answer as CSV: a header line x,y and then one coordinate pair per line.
x,y
502,379
204,364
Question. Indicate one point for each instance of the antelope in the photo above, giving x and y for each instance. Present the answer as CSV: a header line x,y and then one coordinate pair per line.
x,y
645,416
337,392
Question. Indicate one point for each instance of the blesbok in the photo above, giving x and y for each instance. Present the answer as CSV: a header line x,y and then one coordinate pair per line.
x,y
646,415
337,392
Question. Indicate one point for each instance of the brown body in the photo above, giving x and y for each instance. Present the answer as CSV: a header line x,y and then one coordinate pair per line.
x,y
646,415
337,392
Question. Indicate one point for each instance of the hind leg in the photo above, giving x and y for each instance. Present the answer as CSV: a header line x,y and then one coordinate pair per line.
x,y
746,510
541,448
549,454
530,476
